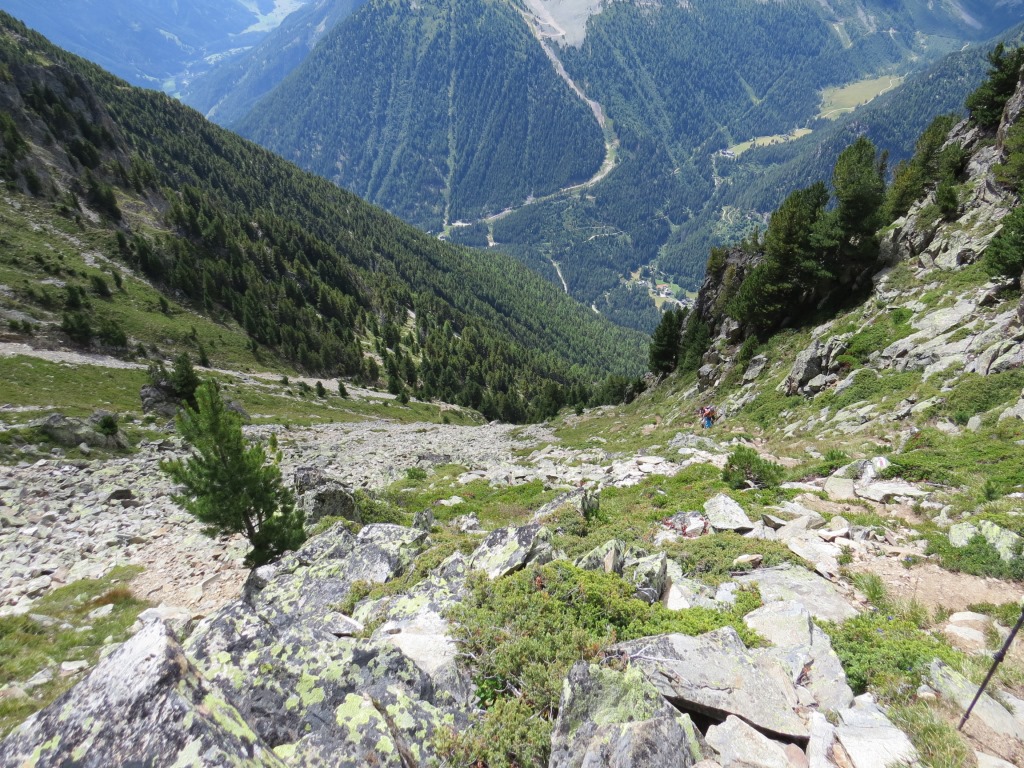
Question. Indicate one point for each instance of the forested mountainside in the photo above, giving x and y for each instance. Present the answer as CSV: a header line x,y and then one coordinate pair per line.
x,y
151,42
230,89
755,182
678,83
446,111
312,274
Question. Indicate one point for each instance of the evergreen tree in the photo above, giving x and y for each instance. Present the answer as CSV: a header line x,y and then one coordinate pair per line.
x,y
664,349
986,103
1005,254
229,485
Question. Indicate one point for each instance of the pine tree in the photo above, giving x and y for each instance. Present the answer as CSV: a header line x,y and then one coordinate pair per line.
x,y
229,485
663,354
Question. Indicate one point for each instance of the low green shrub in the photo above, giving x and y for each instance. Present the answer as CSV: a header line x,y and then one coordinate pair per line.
x,y
974,394
522,633
978,558
886,652
710,558
746,469
938,743
881,333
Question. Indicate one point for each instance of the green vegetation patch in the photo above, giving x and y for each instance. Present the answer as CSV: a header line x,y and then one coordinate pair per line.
x,y
495,506
29,646
989,456
883,331
974,394
524,632
710,558
73,390
886,652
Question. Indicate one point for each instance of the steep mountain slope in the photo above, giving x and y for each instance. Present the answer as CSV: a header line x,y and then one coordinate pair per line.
x,y
819,578
230,89
677,82
446,111
150,42
309,271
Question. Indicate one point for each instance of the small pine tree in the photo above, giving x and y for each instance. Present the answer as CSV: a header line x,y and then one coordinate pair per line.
x,y
341,388
184,379
229,485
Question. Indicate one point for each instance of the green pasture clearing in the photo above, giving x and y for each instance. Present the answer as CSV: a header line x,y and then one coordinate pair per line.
x,y
764,141
846,98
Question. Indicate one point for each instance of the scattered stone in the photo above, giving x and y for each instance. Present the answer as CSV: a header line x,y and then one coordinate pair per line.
x,y
69,668
608,557
747,561
649,576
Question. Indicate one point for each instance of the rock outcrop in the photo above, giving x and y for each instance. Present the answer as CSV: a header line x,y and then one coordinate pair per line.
x,y
145,704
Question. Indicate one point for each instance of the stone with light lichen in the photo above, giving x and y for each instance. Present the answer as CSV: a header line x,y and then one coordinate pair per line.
x,y
145,704
619,720
507,550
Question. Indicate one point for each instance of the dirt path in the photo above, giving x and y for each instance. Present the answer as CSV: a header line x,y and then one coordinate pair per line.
x,y
935,588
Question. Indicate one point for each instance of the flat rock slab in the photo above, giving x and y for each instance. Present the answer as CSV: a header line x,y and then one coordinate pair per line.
x,y
790,582
724,514
737,744
885,491
810,546
145,704
619,720
870,739
806,651
990,722
716,674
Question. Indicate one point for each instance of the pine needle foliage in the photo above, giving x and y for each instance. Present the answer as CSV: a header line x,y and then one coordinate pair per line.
x,y
231,486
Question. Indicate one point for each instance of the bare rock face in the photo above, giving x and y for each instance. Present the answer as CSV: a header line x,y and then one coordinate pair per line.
x,y
815,367
145,704
619,720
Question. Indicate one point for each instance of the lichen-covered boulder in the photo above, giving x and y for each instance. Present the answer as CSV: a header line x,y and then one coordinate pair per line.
x,y
415,623
388,730
507,550
144,704
648,574
287,682
307,584
608,557
716,674
619,720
